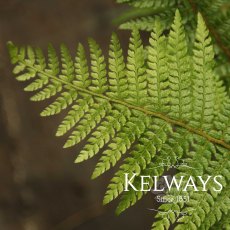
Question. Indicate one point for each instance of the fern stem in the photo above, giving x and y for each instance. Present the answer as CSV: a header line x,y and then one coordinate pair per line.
x,y
138,108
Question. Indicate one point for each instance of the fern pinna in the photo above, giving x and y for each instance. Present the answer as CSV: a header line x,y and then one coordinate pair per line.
x,y
162,101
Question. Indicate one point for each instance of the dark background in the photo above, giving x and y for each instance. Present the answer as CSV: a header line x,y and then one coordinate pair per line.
x,y
40,186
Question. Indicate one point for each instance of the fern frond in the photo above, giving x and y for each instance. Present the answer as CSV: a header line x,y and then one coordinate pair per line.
x,y
143,13
62,102
204,82
163,101
114,122
117,78
74,115
81,68
67,64
121,144
98,68
157,70
201,203
136,71
224,223
179,70
221,207
173,147
90,120
139,158
147,23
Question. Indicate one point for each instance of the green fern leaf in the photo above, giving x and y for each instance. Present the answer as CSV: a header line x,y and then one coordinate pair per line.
x,y
164,101
157,70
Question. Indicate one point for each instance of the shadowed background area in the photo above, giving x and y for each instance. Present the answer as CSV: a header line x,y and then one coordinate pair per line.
x,y
40,186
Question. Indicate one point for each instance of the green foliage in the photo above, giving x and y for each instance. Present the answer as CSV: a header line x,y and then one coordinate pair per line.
x,y
207,207
157,70
143,14
165,100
